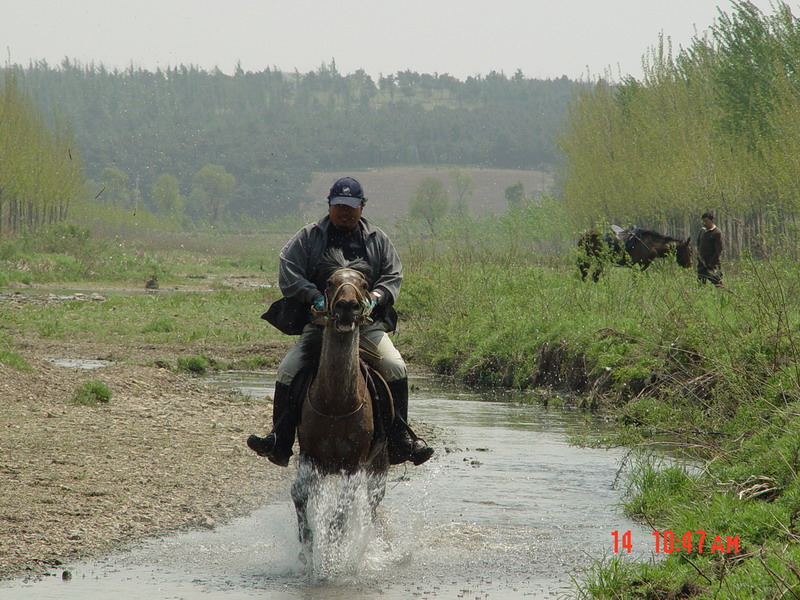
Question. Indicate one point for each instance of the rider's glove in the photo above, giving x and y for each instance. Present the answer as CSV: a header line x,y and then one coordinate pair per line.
x,y
375,298
319,303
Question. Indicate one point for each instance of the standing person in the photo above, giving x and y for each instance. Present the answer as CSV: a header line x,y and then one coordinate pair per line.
x,y
709,250
301,284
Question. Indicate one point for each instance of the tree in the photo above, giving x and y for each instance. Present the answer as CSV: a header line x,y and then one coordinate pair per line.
x,y
40,169
430,202
115,187
212,188
515,194
166,195
465,186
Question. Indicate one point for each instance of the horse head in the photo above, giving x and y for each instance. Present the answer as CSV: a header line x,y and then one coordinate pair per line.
x,y
346,292
683,253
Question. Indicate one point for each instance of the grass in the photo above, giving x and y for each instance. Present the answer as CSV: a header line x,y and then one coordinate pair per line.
x,y
194,364
92,393
224,316
71,254
712,373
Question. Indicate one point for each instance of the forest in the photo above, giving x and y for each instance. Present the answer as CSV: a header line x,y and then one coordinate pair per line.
x,y
711,126
209,147
715,126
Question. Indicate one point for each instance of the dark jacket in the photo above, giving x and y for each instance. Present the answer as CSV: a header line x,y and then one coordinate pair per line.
x,y
709,247
301,255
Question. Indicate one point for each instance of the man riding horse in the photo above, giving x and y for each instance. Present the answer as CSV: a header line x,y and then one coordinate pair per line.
x,y
301,283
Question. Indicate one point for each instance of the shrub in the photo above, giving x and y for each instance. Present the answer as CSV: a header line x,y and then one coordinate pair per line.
x,y
91,393
193,364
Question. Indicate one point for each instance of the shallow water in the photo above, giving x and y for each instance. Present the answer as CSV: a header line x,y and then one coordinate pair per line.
x,y
80,363
506,509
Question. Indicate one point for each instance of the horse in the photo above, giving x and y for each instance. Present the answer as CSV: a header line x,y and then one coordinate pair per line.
x,y
341,430
640,249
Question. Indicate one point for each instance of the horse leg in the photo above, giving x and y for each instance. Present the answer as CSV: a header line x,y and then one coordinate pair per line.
x,y
301,490
584,270
345,495
598,270
376,488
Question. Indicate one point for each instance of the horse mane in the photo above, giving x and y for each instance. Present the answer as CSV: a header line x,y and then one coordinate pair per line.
x,y
334,259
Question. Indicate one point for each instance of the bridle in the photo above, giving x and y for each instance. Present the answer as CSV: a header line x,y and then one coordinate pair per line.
x,y
323,316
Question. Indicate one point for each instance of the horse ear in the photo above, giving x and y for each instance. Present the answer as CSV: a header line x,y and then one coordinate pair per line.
x,y
688,240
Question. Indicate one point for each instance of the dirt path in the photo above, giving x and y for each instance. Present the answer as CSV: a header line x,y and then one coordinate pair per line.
x,y
167,453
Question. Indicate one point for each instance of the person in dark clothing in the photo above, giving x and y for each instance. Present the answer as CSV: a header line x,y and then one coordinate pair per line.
x,y
299,280
709,251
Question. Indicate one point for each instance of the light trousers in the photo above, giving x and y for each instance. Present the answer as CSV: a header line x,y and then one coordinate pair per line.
x,y
391,364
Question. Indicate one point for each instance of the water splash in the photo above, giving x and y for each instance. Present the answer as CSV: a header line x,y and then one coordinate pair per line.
x,y
343,531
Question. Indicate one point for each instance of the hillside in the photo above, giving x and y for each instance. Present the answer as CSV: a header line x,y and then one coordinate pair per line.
x,y
269,132
389,190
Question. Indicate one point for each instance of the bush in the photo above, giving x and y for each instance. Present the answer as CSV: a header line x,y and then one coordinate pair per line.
x,y
91,393
193,364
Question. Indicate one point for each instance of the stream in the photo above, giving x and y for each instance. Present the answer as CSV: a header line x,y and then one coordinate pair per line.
x,y
507,508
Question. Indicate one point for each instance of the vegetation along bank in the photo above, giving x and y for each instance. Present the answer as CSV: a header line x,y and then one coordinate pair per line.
x,y
710,373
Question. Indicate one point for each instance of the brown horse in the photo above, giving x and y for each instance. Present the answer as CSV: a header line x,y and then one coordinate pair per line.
x,y
338,431
641,248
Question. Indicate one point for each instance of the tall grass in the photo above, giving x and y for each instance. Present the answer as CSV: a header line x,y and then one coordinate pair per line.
x,y
714,371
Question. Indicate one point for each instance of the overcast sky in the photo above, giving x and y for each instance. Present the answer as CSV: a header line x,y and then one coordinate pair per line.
x,y
544,38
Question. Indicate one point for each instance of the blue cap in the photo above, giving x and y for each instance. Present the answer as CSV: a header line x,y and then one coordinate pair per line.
x,y
346,191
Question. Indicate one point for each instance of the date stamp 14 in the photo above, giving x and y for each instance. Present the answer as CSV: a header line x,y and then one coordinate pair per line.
x,y
697,541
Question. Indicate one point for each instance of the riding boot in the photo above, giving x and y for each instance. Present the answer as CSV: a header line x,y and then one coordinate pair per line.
x,y
403,443
277,445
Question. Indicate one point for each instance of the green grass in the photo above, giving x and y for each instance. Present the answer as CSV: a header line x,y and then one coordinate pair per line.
x,y
223,316
92,393
10,357
70,254
713,373
194,364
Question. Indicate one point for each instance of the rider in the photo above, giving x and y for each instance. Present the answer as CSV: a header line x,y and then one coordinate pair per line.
x,y
299,280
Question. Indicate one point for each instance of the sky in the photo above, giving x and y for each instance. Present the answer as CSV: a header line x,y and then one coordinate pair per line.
x,y
582,39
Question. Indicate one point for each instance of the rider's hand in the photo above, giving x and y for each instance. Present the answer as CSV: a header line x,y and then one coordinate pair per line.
x,y
319,303
375,298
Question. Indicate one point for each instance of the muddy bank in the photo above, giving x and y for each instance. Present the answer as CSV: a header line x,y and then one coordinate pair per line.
x,y
166,453
560,368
